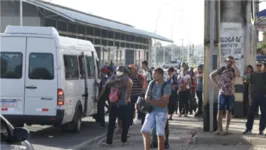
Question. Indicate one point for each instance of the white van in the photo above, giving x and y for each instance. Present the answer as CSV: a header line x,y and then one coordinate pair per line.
x,y
47,79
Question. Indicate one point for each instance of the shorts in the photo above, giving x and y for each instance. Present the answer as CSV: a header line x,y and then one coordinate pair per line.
x,y
155,119
226,102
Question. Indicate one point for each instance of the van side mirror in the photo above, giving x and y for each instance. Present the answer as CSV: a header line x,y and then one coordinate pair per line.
x,y
20,134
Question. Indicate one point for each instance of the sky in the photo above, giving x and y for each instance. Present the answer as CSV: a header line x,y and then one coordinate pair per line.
x,y
174,19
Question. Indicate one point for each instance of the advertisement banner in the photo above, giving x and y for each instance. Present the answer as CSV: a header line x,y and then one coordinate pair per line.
x,y
232,44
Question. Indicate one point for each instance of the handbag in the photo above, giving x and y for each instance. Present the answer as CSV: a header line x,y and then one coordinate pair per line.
x,y
143,106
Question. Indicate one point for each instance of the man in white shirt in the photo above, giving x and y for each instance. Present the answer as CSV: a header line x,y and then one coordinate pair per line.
x,y
147,72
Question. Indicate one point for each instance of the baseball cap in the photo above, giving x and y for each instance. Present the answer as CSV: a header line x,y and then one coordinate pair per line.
x,y
104,70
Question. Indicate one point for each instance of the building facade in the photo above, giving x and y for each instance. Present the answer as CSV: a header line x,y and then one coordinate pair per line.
x,y
115,42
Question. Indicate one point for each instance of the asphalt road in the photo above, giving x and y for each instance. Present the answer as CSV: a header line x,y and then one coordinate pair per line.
x,y
51,138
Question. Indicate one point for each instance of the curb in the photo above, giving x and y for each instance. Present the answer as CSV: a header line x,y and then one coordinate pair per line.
x,y
90,141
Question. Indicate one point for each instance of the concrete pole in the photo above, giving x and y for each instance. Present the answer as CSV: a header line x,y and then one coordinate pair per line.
x,y
236,22
211,49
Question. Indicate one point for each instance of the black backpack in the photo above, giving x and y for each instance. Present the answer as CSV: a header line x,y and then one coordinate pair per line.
x,y
145,107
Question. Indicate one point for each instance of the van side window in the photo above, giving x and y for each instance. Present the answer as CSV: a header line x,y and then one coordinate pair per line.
x,y
90,65
98,68
11,65
71,67
81,65
41,66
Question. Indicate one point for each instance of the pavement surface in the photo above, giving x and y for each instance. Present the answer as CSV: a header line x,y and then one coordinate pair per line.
x,y
187,134
51,138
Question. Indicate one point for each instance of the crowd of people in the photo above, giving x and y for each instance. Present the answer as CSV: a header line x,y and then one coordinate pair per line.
x,y
254,94
124,87
149,99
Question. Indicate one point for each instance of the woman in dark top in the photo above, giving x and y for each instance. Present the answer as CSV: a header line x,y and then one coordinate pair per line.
x,y
246,81
172,79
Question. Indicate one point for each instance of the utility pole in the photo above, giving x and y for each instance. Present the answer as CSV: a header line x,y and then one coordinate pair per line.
x,y
21,12
182,50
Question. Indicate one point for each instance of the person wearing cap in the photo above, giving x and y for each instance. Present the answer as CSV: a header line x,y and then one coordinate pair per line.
x,y
119,109
102,97
137,90
257,97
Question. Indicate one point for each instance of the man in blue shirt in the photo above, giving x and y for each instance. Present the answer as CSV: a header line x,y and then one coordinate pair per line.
x,y
158,117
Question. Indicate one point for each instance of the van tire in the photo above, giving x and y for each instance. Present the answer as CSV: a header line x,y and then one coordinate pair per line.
x,y
77,122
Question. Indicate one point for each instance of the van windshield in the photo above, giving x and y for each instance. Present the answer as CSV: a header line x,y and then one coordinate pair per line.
x,y
41,66
11,65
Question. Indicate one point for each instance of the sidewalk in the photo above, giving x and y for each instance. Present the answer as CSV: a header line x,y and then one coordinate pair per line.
x,y
187,134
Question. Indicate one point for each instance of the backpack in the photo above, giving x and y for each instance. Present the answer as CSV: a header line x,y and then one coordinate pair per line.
x,y
144,80
114,95
146,107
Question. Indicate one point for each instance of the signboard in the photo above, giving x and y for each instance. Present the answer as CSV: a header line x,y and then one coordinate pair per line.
x,y
232,44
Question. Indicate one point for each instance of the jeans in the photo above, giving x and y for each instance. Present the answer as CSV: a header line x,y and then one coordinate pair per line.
x,y
192,101
226,102
140,115
100,113
252,113
183,101
155,120
172,102
200,101
166,137
120,112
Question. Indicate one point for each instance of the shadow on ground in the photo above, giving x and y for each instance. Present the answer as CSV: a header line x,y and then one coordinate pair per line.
x,y
55,137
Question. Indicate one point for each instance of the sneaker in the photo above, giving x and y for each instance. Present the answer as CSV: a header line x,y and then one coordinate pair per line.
x,y
247,132
137,121
124,144
154,145
261,133
166,146
105,144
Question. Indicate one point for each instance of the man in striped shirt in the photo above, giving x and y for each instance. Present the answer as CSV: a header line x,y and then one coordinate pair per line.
x,y
137,90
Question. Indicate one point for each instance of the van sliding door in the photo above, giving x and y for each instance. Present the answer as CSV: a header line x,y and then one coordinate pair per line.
x,y
89,63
